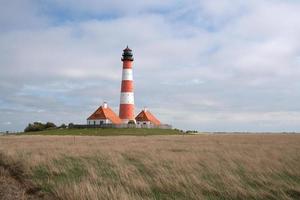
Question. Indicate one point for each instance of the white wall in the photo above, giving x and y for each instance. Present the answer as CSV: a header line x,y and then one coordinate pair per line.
x,y
145,124
98,121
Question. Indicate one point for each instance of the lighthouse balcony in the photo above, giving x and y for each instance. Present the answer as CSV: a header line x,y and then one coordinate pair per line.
x,y
127,58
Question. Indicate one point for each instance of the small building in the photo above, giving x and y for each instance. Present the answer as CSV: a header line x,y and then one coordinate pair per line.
x,y
103,115
145,119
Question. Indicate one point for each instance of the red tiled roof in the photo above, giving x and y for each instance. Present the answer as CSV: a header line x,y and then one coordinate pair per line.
x,y
147,116
105,113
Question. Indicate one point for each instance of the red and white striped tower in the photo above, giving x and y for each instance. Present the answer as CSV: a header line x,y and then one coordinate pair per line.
x,y
126,112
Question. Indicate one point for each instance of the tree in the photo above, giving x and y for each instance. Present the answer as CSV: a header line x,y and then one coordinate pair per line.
x,y
63,126
50,125
38,126
71,125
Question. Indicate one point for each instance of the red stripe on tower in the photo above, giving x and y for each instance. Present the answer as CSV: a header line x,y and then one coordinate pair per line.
x,y
127,86
126,111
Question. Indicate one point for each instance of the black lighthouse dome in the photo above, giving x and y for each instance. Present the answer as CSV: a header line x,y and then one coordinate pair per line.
x,y
127,54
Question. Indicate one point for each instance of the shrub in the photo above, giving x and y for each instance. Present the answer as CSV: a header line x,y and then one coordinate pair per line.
x,y
189,131
50,125
70,125
38,126
63,126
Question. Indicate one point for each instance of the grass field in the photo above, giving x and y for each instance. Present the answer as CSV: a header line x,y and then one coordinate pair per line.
x,y
107,132
158,167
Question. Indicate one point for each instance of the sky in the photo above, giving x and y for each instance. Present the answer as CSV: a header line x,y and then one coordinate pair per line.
x,y
218,65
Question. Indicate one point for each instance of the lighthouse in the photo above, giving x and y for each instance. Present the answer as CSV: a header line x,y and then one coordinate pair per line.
x,y
126,111
105,117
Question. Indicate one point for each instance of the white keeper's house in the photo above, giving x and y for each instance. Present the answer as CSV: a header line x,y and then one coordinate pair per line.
x,y
103,115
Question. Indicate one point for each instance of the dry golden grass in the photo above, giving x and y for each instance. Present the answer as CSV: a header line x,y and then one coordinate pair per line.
x,y
161,167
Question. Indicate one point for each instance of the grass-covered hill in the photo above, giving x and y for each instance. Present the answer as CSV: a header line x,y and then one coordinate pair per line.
x,y
107,132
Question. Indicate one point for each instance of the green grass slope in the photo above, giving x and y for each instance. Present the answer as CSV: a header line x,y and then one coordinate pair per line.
x,y
106,132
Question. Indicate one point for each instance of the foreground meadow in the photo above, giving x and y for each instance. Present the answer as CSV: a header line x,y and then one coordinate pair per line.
x,y
159,167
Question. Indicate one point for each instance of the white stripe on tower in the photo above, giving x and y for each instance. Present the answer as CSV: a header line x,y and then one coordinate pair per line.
x,y
127,98
127,74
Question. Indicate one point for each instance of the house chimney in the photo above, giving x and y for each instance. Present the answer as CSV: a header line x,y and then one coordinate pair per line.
x,y
104,104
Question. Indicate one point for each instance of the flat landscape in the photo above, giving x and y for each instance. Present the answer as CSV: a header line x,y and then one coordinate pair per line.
x,y
225,166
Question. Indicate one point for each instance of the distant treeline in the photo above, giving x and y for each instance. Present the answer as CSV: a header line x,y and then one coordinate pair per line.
x,y
38,126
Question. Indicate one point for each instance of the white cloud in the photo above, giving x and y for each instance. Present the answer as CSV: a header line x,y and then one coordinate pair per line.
x,y
16,15
213,61
112,7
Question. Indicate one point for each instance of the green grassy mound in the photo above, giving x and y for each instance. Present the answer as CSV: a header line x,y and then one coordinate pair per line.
x,y
107,132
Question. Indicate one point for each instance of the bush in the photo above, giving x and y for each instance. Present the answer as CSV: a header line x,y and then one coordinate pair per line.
x,y
38,126
70,125
176,129
63,126
50,125
189,131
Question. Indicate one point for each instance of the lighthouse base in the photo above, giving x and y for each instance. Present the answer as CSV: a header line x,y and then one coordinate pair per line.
x,y
128,121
